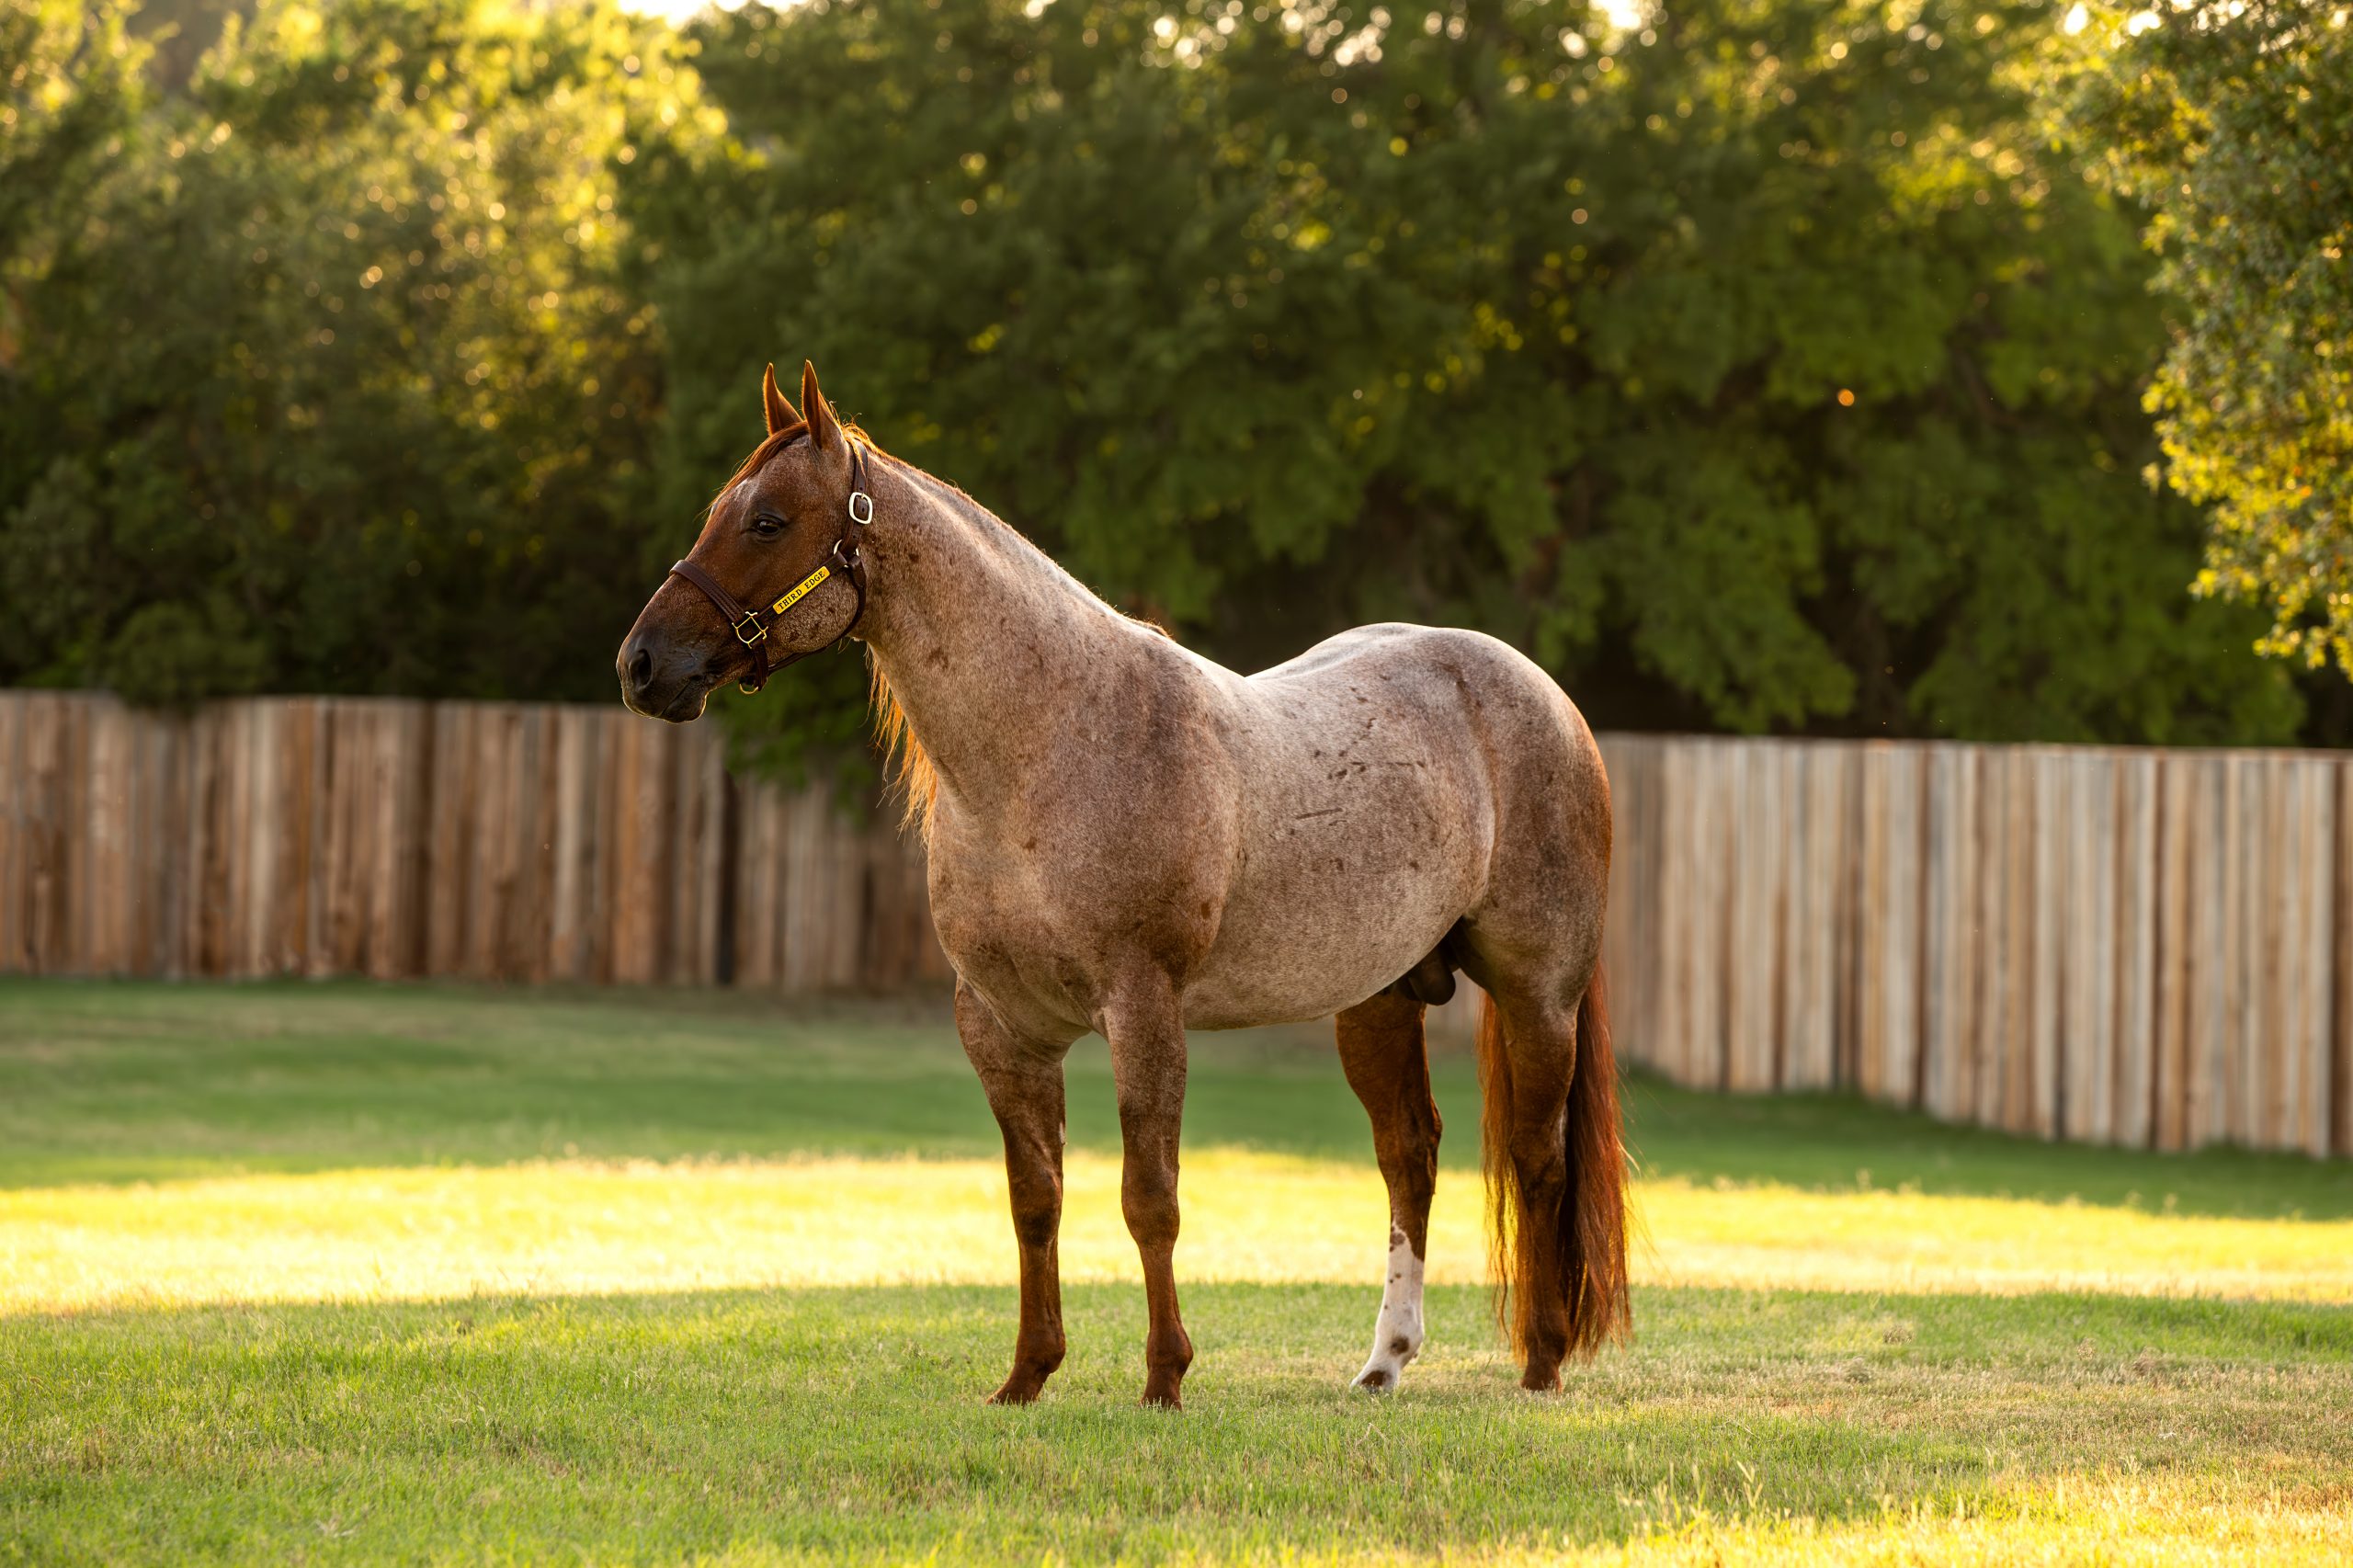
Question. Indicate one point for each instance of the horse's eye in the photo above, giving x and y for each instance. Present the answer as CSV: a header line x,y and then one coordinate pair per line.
x,y
767,525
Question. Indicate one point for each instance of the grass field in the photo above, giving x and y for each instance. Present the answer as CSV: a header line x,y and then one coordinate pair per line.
x,y
347,1273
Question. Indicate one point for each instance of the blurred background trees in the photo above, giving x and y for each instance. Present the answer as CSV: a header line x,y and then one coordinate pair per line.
x,y
2233,121
332,375
1754,364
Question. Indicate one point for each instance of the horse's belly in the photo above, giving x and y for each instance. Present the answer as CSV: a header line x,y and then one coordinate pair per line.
x,y
1321,970
1336,899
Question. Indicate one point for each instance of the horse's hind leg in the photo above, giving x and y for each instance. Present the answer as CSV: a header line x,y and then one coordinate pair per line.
x,y
1023,1080
1556,1166
1382,1051
1532,1047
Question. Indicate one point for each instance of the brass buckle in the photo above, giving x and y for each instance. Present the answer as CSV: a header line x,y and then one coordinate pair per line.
x,y
752,619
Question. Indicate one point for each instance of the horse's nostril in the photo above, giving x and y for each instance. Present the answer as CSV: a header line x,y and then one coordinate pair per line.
x,y
641,669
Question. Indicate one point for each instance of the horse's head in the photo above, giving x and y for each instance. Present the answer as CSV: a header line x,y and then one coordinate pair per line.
x,y
775,575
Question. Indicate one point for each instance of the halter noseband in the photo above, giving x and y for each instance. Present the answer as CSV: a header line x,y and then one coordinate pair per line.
x,y
745,620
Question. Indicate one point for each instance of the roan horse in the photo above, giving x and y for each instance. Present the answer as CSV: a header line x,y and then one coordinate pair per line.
x,y
1127,838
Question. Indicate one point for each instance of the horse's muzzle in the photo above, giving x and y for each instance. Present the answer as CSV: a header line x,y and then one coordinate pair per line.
x,y
662,687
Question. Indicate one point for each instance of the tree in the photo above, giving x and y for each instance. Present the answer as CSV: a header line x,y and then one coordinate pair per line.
x,y
68,92
2232,119
1767,370
1764,368
337,383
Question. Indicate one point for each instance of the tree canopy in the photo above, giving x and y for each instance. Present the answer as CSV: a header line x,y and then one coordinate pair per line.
x,y
2232,119
336,376
1769,367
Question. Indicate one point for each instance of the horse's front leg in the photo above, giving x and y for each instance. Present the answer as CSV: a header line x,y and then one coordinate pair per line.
x,y
1023,1082
1146,1029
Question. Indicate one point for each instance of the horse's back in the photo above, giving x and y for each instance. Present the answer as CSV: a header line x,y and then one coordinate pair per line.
x,y
1442,670
1444,688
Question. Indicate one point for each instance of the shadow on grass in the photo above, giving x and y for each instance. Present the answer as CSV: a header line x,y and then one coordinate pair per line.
x,y
127,1081
663,1426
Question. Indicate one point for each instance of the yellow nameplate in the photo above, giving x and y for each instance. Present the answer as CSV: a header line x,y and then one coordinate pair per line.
x,y
801,590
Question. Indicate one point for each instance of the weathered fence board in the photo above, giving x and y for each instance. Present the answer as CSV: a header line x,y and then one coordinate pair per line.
x,y
1754,779
1888,923
2340,1138
2145,947
1816,916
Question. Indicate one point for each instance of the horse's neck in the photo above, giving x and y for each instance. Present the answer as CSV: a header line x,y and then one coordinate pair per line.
x,y
987,644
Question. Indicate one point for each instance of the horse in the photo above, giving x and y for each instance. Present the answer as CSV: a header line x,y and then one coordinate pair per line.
x,y
1126,838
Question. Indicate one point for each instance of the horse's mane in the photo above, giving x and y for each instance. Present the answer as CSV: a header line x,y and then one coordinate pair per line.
x,y
907,766
771,444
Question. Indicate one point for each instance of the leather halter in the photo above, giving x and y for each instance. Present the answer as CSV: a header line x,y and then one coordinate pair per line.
x,y
746,622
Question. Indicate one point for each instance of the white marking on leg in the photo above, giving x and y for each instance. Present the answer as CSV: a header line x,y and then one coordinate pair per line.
x,y
1397,1332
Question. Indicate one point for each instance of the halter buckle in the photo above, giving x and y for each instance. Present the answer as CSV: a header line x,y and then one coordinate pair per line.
x,y
758,633
863,518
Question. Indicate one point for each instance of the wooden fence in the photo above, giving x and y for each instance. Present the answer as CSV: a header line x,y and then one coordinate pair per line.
x,y
491,841
2132,947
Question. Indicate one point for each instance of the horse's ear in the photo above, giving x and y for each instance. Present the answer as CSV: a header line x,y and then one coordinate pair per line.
x,y
772,401
825,430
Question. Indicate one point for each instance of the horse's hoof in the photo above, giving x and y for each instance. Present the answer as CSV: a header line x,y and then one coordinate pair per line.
x,y
1376,1379
1535,1381
1016,1391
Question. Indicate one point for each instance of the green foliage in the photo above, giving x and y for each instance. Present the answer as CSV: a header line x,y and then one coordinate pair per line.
x,y
2235,122
334,382
1765,371
68,74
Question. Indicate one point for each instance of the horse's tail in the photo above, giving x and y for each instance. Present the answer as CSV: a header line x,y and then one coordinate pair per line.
x,y
1576,1256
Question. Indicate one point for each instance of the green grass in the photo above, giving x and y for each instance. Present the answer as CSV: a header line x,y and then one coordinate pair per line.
x,y
129,1083
240,1414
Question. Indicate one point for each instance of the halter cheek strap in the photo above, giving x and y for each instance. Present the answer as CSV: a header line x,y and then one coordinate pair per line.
x,y
750,623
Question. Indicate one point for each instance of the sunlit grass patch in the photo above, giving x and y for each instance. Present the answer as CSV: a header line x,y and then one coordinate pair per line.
x,y
2101,1519
572,1226
1770,1236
